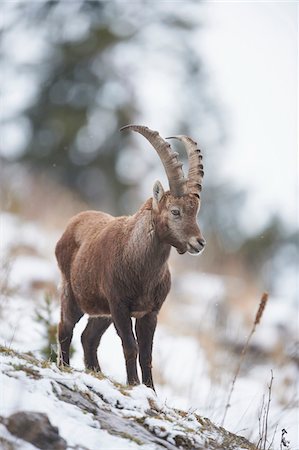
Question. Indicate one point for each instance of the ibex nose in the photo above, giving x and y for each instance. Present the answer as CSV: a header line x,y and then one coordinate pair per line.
x,y
196,245
201,242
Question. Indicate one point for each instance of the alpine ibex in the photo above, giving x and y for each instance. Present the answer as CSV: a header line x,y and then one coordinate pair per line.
x,y
115,268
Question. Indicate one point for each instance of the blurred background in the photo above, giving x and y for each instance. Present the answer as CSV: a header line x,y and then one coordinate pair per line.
x,y
226,73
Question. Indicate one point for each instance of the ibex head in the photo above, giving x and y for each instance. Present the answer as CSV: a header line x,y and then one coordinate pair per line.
x,y
175,211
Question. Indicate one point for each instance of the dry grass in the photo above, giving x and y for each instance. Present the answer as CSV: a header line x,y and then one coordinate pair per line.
x,y
263,443
257,320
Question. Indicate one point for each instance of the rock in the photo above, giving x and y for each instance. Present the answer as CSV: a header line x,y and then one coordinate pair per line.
x,y
35,428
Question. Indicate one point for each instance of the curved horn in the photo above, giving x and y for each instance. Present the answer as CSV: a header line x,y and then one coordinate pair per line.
x,y
172,166
195,173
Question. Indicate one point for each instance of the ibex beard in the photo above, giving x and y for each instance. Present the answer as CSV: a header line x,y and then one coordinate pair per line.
x,y
115,268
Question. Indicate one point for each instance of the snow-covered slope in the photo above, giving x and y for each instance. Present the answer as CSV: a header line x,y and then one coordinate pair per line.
x,y
193,357
94,413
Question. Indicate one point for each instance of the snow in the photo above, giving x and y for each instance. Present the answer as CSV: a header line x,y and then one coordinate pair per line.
x,y
15,231
190,372
31,387
23,393
28,269
212,287
39,393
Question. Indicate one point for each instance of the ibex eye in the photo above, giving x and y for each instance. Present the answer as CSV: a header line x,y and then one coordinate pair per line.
x,y
175,212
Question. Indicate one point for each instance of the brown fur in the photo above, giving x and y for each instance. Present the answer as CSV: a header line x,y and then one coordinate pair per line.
x,y
116,268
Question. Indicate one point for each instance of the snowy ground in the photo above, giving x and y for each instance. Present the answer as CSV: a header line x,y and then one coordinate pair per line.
x,y
93,413
192,370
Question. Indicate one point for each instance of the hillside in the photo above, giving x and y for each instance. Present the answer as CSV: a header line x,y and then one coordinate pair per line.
x,y
196,348
92,412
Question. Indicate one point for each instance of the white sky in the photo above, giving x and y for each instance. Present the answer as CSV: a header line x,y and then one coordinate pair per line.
x,y
251,50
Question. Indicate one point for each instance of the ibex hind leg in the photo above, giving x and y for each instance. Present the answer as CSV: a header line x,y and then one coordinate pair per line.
x,y
70,315
90,339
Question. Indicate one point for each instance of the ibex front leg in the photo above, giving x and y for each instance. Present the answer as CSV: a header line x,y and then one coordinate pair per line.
x,y
145,329
123,324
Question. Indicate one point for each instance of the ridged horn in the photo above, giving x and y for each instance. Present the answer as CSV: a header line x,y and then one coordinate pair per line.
x,y
172,166
195,173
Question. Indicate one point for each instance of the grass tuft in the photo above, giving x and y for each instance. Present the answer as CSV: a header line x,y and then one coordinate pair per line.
x,y
29,371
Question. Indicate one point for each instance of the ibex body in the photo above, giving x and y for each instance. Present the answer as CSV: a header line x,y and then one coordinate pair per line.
x,y
115,268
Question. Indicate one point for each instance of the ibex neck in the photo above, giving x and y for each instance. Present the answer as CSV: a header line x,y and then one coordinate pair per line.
x,y
143,240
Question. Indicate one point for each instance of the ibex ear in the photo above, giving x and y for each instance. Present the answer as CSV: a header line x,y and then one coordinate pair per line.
x,y
158,193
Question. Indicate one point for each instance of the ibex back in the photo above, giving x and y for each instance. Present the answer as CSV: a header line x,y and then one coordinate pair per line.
x,y
115,268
